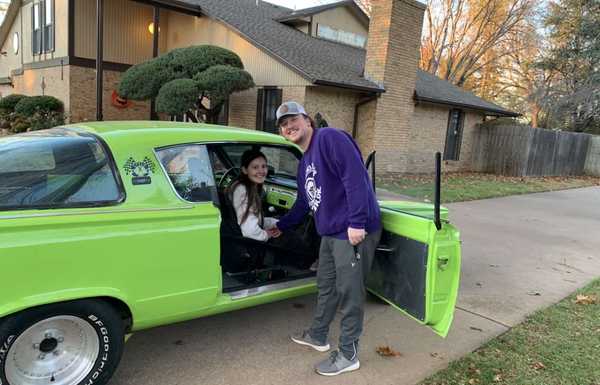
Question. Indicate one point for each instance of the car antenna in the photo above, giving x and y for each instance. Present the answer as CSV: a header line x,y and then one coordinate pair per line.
x,y
438,183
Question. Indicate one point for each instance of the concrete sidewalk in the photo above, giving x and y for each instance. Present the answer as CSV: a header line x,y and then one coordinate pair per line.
x,y
520,254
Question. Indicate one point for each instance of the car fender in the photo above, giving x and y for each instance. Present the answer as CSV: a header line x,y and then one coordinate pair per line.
x,y
62,296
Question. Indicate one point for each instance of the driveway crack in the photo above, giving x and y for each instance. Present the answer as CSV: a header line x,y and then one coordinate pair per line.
x,y
483,316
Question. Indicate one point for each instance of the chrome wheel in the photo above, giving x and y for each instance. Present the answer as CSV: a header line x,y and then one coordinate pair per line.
x,y
60,350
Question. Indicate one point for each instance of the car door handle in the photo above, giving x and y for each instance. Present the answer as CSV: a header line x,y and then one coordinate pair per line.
x,y
442,263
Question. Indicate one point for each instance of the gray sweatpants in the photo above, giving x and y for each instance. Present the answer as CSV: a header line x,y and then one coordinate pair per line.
x,y
341,278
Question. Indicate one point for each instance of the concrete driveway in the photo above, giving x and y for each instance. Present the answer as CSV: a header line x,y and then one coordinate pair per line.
x,y
520,254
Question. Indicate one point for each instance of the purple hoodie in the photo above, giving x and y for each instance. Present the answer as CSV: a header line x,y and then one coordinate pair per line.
x,y
334,184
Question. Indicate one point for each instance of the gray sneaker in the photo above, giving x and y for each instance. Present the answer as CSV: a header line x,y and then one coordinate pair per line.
x,y
304,338
337,364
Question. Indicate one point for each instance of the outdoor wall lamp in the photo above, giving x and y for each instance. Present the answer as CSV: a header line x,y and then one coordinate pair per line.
x,y
151,28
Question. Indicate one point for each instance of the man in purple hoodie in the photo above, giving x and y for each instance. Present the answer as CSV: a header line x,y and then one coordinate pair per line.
x,y
334,184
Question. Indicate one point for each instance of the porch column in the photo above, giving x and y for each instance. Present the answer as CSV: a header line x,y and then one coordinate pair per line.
x,y
99,56
155,37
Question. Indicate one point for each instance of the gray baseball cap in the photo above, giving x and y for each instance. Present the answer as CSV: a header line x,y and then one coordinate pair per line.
x,y
289,108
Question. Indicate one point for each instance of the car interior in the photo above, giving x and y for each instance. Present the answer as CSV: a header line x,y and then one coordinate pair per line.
x,y
248,263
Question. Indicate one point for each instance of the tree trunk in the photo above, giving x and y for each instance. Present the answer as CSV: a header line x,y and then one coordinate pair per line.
x,y
534,109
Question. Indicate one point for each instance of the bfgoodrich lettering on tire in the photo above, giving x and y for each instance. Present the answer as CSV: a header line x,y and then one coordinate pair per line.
x,y
69,343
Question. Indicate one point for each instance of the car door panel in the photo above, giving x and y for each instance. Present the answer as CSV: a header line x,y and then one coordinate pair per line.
x,y
417,267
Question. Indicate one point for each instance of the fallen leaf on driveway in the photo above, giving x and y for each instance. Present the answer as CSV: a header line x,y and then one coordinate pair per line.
x,y
583,299
478,284
474,328
534,293
386,351
538,366
437,355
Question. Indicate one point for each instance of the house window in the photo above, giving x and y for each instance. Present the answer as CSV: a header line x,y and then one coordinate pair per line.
x,y
340,36
36,23
48,25
42,22
269,99
454,134
223,118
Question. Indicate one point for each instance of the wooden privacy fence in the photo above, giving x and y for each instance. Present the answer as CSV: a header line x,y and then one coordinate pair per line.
x,y
518,150
592,163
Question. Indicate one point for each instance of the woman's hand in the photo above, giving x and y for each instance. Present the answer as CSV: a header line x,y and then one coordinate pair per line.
x,y
273,232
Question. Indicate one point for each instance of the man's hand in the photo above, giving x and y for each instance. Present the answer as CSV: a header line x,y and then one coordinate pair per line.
x,y
356,236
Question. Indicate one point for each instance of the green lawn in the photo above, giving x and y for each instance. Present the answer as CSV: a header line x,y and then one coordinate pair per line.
x,y
469,186
559,345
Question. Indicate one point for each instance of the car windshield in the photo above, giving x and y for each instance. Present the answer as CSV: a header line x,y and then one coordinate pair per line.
x,y
55,168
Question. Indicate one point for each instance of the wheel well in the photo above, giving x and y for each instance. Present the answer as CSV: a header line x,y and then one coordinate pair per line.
x,y
122,308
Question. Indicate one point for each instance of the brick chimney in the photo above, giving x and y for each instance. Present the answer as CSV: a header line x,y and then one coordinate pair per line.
x,y
392,61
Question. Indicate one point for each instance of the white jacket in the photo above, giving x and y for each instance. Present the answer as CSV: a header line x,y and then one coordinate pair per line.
x,y
251,226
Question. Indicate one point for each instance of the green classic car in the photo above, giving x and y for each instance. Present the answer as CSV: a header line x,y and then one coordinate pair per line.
x,y
113,227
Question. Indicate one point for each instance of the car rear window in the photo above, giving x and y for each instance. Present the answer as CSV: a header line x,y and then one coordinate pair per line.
x,y
56,168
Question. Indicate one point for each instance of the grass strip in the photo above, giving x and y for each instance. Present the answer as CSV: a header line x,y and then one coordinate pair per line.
x,y
559,345
457,187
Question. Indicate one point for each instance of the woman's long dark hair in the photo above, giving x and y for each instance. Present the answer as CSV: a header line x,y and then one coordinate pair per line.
x,y
253,190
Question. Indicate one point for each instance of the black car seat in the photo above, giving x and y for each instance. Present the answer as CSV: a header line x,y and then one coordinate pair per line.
x,y
238,253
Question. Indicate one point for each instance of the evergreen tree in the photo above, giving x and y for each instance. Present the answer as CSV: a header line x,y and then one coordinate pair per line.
x,y
574,55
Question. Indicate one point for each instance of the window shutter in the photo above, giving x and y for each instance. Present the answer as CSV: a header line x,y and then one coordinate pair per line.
x,y
259,109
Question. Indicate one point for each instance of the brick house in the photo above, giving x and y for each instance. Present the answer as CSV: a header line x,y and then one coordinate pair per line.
x,y
359,72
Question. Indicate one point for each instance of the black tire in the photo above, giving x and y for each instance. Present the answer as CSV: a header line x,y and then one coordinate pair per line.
x,y
102,317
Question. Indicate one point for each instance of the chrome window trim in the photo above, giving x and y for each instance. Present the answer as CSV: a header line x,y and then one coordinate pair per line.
x,y
42,215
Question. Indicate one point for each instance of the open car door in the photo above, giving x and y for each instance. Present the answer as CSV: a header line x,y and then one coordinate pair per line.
x,y
417,263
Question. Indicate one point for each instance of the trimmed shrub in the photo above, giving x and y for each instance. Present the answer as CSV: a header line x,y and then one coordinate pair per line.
x,y
28,106
143,81
177,96
222,80
27,113
189,61
8,103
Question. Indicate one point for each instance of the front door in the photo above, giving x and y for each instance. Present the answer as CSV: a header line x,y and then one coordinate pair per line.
x,y
417,267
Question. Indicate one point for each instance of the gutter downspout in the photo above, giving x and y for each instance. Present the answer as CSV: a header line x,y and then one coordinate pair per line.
x,y
99,56
360,103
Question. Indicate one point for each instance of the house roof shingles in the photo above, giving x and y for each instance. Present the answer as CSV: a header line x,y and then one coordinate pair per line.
x,y
321,61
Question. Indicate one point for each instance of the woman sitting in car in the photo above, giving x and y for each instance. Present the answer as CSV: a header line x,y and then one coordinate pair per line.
x,y
246,196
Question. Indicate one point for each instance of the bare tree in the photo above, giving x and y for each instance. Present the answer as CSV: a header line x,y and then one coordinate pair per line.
x,y
460,35
523,85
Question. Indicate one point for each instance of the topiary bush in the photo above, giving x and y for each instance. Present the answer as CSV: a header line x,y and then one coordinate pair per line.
x,y
177,96
210,73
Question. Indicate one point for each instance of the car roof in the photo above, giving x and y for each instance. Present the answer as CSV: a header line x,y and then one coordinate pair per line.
x,y
163,133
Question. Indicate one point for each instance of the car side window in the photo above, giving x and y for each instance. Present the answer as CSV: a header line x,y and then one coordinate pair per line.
x,y
189,170
56,169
